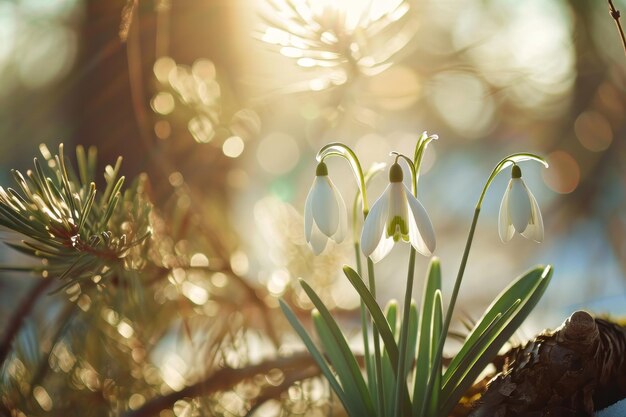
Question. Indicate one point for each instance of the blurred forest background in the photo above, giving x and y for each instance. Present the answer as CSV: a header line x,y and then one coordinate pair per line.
x,y
224,103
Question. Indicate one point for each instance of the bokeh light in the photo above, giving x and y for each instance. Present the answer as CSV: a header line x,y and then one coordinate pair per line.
x,y
233,147
278,153
564,174
464,102
225,108
163,103
396,88
593,131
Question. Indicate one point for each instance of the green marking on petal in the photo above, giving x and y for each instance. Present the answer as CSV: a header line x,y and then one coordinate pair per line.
x,y
397,228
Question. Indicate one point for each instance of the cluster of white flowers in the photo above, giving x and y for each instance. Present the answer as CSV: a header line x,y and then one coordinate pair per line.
x,y
398,215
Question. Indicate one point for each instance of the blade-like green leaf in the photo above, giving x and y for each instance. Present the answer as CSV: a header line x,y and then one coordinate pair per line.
x,y
391,313
522,288
377,315
389,375
412,338
381,324
437,327
342,345
317,356
488,347
424,356
342,364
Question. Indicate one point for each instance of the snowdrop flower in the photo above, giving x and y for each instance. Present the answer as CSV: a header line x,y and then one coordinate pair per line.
x,y
325,214
396,214
519,211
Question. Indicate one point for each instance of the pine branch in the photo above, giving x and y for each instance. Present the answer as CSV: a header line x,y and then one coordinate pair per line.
x,y
15,323
274,392
75,234
222,380
64,319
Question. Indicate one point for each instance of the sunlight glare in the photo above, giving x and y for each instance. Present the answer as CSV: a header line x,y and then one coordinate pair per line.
x,y
358,12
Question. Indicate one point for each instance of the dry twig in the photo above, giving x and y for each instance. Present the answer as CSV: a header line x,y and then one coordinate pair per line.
x,y
615,14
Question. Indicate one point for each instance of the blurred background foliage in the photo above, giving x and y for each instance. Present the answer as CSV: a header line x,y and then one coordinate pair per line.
x,y
223,103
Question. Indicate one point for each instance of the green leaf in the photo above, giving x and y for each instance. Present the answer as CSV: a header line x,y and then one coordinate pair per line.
x,y
346,359
380,322
318,358
494,334
522,289
412,340
340,363
377,315
424,355
437,328
389,375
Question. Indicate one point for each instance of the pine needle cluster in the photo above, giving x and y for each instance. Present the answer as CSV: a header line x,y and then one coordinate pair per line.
x,y
79,235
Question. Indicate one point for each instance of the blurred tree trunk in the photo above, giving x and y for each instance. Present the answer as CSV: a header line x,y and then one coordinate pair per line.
x,y
117,83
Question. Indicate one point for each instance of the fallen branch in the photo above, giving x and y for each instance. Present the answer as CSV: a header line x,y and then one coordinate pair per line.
x,y
573,371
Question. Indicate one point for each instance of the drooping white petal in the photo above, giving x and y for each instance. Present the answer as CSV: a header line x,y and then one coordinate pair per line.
x,y
519,205
534,230
374,224
397,204
325,207
343,218
318,240
505,227
384,247
421,233
308,215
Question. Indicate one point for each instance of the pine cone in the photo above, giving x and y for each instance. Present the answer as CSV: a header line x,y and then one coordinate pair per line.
x,y
571,372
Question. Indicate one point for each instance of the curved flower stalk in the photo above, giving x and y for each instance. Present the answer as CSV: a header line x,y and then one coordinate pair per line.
x,y
519,211
509,160
374,370
325,214
396,215
344,151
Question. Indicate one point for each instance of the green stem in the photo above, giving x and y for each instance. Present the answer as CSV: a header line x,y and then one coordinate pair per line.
x,y
366,344
455,292
377,354
401,375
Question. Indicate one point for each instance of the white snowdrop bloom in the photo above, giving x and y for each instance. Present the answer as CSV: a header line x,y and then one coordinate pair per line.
x,y
325,214
519,211
396,215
